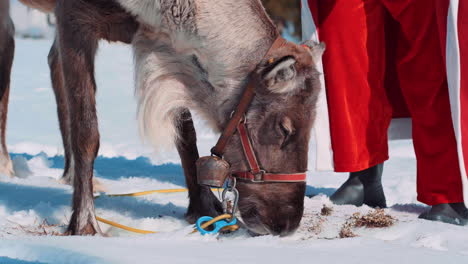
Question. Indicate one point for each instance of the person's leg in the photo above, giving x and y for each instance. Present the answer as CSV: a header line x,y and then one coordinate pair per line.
x,y
362,187
422,75
354,67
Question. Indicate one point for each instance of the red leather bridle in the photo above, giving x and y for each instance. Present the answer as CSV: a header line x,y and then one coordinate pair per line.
x,y
238,123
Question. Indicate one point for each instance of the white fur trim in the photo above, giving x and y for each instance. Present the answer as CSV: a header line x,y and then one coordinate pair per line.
x,y
454,80
324,160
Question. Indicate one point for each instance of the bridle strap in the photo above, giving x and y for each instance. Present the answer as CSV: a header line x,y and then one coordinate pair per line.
x,y
271,177
256,174
241,108
248,149
237,116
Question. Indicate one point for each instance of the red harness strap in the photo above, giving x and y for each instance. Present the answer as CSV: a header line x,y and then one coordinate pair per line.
x,y
248,149
270,177
256,174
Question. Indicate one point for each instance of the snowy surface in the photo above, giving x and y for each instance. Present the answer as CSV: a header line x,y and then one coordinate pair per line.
x,y
26,203
35,207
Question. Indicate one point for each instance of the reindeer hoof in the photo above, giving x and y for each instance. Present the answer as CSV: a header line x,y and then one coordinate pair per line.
x,y
88,230
65,180
6,167
83,223
205,205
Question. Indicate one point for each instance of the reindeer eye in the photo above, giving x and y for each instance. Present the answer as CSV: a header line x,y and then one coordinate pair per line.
x,y
284,130
287,130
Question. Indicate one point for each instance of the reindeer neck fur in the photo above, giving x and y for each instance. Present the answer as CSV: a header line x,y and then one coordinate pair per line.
x,y
195,54
4,7
6,25
4,14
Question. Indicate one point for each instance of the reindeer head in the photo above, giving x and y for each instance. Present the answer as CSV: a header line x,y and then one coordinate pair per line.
x,y
279,123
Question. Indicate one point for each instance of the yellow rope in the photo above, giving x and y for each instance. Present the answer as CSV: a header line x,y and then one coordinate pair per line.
x,y
141,231
147,192
151,192
131,229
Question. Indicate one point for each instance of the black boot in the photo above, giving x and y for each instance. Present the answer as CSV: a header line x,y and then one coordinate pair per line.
x,y
451,213
362,187
461,209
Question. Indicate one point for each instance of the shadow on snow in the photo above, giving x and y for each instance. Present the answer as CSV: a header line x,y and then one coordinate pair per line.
x,y
45,201
115,168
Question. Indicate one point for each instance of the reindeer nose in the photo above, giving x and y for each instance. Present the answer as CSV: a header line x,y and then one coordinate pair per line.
x,y
276,224
282,228
271,209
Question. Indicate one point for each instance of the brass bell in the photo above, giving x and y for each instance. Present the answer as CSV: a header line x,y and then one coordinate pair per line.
x,y
212,171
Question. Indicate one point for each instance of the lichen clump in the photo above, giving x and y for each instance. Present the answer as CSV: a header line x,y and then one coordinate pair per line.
x,y
346,231
326,210
374,219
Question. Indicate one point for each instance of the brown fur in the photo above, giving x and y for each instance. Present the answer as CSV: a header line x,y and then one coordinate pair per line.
x,y
80,25
62,107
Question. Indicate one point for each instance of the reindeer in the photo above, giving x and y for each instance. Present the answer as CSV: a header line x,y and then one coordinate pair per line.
x,y
191,55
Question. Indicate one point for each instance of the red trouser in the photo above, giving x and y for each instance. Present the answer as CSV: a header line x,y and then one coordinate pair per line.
x,y
361,84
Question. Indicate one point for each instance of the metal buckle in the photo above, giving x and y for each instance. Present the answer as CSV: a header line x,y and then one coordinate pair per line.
x,y
261,172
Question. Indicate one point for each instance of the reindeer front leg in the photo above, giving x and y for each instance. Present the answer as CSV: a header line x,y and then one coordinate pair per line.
x,y
7,50
202,200
77,48
62,108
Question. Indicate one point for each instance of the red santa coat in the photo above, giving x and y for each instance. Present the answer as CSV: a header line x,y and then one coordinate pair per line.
x,y
454,48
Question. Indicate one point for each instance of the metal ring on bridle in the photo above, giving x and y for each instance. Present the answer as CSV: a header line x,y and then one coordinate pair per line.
x,y
235,192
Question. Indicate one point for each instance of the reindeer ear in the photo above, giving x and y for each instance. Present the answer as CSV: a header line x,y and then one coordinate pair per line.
x,y
316,49
277,76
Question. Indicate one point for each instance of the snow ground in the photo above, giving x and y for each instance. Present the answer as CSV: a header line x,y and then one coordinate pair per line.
x,y
126,165
26,202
